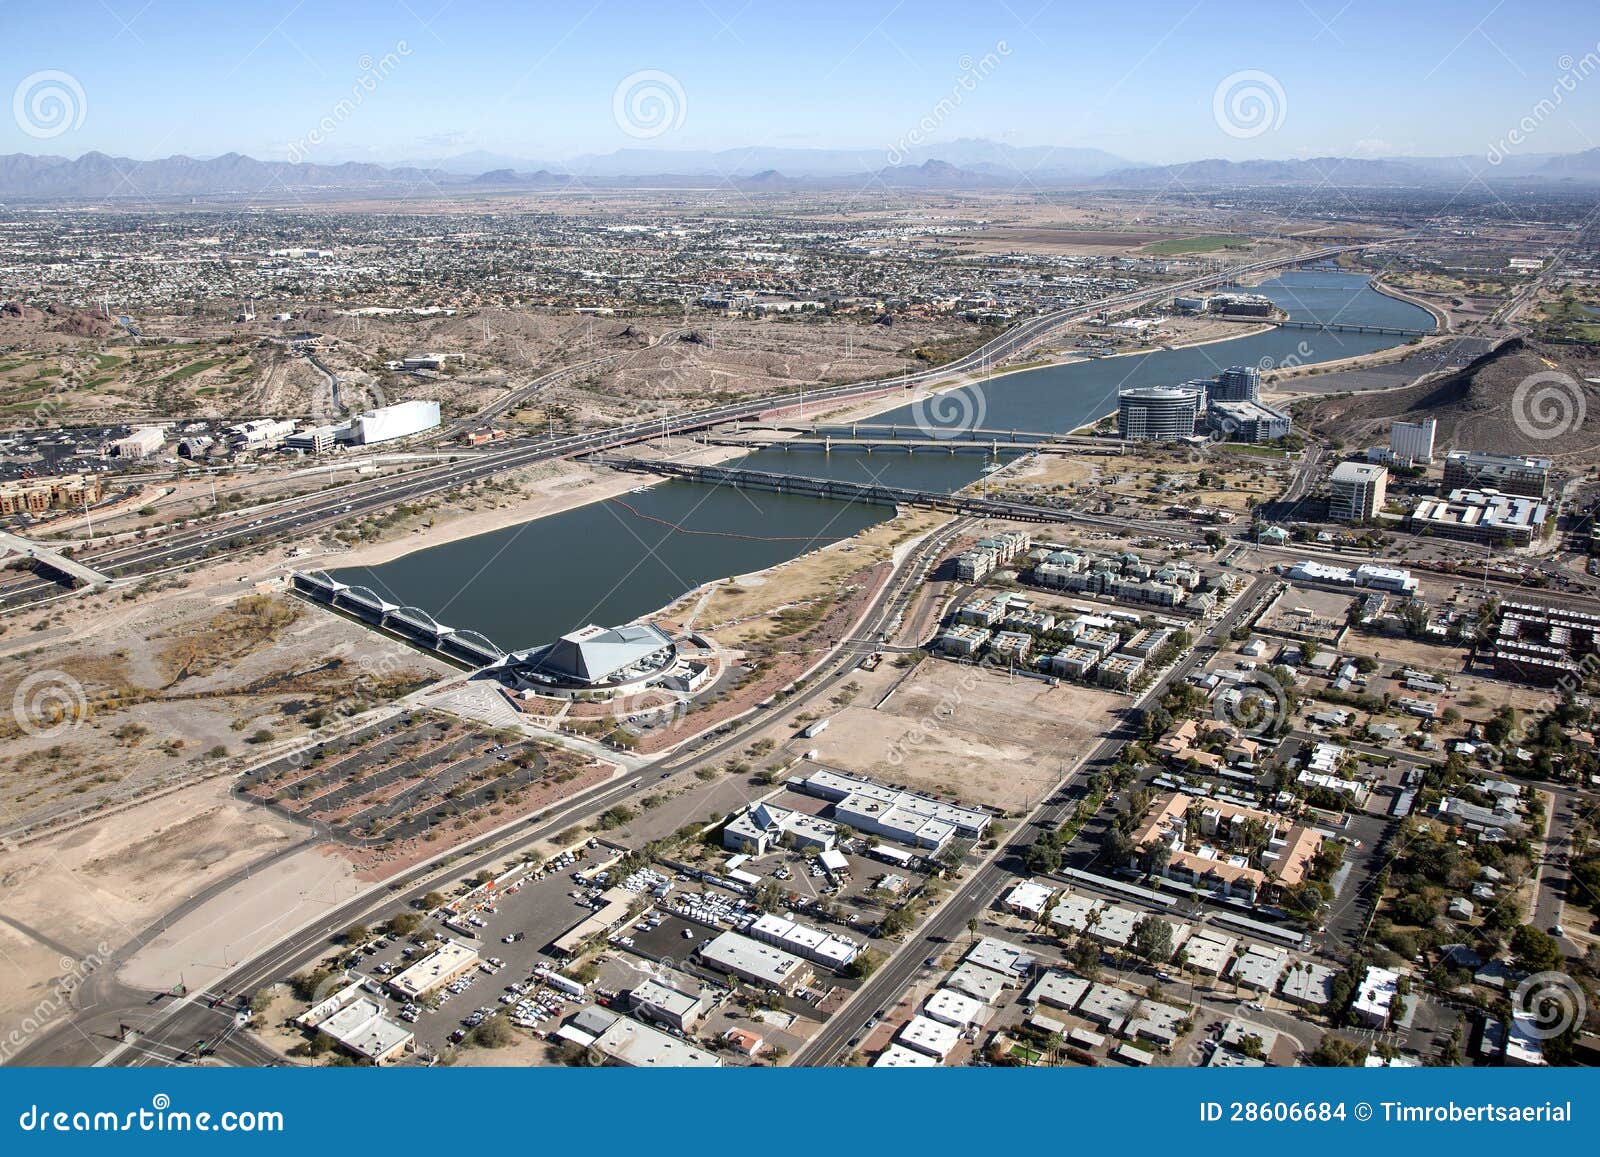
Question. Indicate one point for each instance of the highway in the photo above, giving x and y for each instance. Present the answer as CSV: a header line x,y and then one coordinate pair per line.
x,y
298,518
949,920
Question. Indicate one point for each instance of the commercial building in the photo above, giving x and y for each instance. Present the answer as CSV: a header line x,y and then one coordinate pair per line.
x,y
1157,413
438,968
755,962
1382,578
259,434
313,440
629,1044
763,826
142,443
902,816
666,1003
1484,516
357,1024
1507,473
1411,443
386,423
1356,491
900,1057
926,1035
832,952
1237,384
1249,421
598,656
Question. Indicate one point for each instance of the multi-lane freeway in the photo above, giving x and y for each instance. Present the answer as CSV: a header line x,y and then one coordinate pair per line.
x,y
295,518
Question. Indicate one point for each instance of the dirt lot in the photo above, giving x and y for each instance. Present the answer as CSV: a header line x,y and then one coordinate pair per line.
x,y
83,893
964,732
127,697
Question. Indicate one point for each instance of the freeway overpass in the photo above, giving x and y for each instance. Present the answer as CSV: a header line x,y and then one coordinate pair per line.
x,y
55,560
184,547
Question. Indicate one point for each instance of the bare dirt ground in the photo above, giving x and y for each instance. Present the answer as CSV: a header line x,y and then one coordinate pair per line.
x,y
126,697
79,895
960,731
1479,406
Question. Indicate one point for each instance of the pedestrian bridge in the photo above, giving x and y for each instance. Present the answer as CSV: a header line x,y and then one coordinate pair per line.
x,y
412,622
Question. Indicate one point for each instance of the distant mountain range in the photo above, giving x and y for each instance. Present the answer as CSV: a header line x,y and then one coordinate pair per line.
x,y
961,165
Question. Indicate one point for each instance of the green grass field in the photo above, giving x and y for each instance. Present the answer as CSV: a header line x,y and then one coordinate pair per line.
x,y
1209,243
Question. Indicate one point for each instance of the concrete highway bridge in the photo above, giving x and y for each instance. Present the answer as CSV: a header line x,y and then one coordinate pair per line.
x,y
412,622
54,560
871,436
838,490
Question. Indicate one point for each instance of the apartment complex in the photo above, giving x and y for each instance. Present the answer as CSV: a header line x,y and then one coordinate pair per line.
x,y
37,495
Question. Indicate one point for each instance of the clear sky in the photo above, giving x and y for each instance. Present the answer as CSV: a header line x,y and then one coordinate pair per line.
x,y
147,78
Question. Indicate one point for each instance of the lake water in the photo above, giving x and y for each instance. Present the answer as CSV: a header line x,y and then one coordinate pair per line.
x,y
610,562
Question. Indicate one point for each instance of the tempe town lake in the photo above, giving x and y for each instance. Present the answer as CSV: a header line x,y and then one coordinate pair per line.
x,y
615,560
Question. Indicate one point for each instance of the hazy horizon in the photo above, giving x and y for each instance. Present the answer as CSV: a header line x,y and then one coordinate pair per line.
x,y
1156,84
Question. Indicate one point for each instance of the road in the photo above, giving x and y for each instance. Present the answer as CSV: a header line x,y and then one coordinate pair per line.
x,y
950,919
171,1027
298,518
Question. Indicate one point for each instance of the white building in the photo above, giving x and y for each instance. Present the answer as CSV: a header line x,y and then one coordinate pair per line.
x,y
142,443
1356,491
386,423
1411,443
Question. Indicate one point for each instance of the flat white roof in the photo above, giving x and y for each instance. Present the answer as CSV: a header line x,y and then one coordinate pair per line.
x,y
900,1057
929,1036
435,968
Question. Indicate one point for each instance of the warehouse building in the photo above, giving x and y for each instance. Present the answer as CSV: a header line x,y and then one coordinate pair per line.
x,y
755,962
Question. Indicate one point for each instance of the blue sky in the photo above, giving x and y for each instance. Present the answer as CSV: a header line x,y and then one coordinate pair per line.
x,y
539,80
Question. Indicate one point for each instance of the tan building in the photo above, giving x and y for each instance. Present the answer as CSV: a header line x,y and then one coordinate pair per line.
x,y
38,495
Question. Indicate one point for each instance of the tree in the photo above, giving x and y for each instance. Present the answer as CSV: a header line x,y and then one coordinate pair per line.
x,y
1334,1052
432,900
1534,949
357,934
403,924
1152,940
